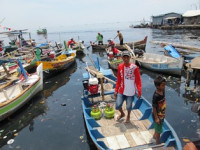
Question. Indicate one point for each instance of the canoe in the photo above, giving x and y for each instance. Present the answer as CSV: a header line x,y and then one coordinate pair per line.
x,y
161,63
57,64
42,31
134,45
79,47
14,96
171,51
177,45
111,134
114,62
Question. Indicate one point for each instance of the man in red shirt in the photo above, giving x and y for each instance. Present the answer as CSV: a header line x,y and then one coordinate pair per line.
x,y
128,82
71,42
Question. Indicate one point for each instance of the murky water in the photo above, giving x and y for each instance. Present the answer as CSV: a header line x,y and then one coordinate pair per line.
x,y
53,119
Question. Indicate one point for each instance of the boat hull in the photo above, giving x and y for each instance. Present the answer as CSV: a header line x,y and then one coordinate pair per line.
x,y
105,133
20,100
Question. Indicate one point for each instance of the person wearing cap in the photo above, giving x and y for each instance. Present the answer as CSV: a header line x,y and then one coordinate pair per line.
x,y
71,42
128,82
119,34
100,39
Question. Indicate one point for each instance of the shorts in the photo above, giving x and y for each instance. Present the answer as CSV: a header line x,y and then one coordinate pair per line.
x,y
158,127
121,42
120,99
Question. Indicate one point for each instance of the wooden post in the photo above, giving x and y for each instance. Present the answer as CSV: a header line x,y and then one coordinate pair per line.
x,y
100,76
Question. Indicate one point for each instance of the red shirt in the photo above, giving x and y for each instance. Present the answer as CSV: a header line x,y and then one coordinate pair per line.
x,y
115,51
120,79
70,42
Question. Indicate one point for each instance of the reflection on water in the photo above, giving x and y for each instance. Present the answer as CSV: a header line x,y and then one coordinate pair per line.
x,y
53,83
10,128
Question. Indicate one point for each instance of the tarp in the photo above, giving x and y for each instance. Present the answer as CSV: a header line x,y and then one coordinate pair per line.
x,y
191,13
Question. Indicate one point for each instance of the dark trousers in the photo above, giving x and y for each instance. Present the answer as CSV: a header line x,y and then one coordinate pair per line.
x,y
121,42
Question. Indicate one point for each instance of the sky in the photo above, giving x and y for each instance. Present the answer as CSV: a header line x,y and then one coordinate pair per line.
x,y
32,14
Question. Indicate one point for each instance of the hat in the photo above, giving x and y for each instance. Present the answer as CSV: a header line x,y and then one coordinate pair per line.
x,y
125,53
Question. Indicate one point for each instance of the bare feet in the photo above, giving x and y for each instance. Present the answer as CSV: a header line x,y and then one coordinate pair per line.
x,y
127,120
120,116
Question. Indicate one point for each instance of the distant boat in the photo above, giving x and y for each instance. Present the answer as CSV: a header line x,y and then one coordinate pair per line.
x,y
134,45
42,31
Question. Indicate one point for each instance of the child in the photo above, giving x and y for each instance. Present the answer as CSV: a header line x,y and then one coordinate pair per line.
x,y
158,104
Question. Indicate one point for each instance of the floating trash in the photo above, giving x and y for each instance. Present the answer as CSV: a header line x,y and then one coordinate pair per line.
x,y
193,121
1,130
15,134
63,104
14,130
186,140
18,147
81,137
10,141
4,137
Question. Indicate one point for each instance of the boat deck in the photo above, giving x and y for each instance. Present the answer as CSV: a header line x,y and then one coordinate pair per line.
x,y
122,135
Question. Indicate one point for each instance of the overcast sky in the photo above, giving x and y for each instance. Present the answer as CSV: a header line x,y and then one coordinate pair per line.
x,y
20,14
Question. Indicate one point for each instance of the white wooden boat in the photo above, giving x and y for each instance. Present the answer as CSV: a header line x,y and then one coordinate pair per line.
x,y
14,96
161,63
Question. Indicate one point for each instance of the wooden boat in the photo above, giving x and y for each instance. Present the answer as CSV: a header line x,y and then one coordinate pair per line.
x,y
57,64
42,31
134,45
79,47
161,63
111,134
177,45
114,63
15,94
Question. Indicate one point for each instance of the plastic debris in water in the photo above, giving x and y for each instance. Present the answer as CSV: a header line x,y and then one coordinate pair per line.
x,y
193,120
15,134
14,130
186,140
10,141
4,137
1,130
63,104
81,137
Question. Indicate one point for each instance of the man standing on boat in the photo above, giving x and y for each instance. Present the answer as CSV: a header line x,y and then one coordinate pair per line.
x,y
128,79
100,39
119,34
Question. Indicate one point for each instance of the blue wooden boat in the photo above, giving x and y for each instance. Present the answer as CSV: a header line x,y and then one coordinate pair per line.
x,y
111,134
171,51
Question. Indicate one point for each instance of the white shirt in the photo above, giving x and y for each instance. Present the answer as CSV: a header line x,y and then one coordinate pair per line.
x,y
129,80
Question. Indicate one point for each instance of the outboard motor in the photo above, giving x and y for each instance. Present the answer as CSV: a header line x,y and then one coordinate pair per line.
x,y
93,85
139,52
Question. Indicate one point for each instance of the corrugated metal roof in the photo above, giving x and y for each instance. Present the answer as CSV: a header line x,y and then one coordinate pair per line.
x,y
161,15
191,13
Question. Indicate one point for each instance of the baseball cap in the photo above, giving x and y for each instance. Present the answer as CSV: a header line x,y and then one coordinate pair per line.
x,y
125,53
